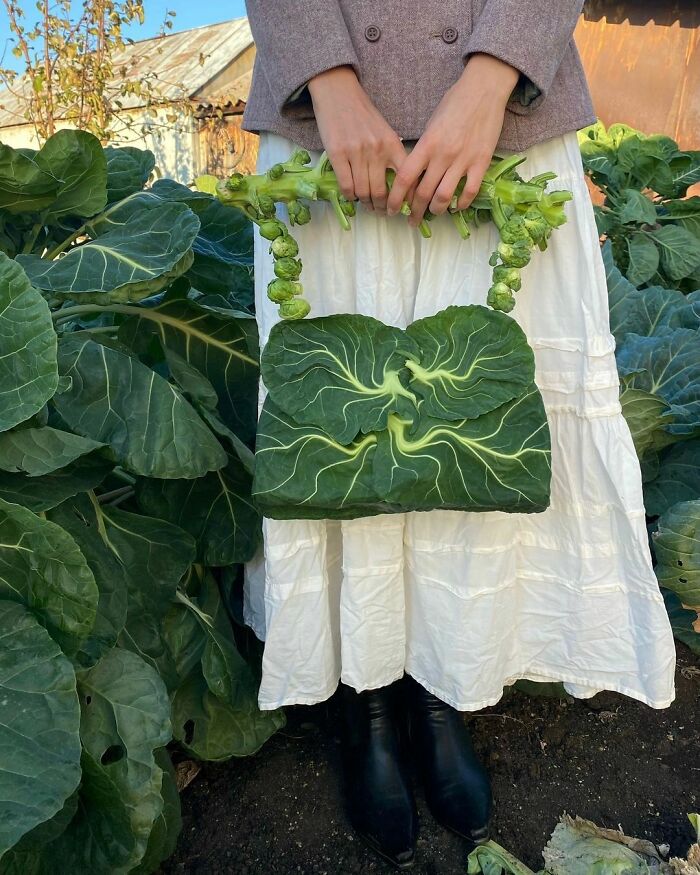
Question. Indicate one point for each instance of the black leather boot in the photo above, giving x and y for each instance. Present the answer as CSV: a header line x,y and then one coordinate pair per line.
x,y
378,789
457,786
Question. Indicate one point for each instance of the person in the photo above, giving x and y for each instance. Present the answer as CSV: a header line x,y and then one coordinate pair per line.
x,y
418,617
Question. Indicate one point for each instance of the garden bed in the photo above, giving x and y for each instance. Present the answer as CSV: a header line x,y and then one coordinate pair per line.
x,y
610,759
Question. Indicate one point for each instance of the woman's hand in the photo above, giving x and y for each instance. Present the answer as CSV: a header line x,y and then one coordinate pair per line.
x,y
359,142
458,141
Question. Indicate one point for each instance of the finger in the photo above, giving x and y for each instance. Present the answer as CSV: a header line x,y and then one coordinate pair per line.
x,y
445,190
475,176
425,191
360,178
343,173
377,184
406,176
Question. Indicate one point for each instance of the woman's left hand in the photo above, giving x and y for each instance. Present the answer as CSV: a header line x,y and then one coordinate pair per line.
x,y
459,140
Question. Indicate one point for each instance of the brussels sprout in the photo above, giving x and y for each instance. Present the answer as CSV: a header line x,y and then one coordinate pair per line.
x,y
300,156
514,254
267,206
275,172
235,182
284,246
296,309
299,214
500,297
514,231
272,230
509,276
283,290
536,224
288,268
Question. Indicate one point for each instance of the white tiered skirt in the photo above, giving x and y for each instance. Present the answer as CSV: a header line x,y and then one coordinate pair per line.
x,y
467,603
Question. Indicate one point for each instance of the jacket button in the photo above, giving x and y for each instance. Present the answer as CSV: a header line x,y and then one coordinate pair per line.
x,y
450,34
372,33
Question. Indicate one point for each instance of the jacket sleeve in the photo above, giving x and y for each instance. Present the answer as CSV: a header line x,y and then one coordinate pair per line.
x,y
530,35
296,41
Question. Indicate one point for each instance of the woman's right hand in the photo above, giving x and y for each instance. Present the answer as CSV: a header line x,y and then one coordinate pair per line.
x,y
360,144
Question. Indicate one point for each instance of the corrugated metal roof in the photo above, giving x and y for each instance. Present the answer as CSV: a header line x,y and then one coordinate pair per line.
x,y
182,63
227,97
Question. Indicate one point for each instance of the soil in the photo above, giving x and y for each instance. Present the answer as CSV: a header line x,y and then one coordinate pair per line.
x,y
610,759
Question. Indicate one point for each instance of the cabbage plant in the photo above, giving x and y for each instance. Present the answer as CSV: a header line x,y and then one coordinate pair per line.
x,y
128,402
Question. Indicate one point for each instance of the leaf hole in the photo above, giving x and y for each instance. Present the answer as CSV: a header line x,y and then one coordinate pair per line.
x,y
679,562
682,579
88,699
189,731
113,754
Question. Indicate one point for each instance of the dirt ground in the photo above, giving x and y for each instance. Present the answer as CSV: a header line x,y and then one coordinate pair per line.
x,y
610,759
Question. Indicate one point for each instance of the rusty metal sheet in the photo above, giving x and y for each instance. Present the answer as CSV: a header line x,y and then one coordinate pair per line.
x,y
642,60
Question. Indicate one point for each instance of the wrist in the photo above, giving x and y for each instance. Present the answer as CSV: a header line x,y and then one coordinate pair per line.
x,y
494,78
332,80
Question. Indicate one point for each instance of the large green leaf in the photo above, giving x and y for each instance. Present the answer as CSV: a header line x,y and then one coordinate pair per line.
x,y
128,170
668,365
221,346
682,622
131,261
166,828
678,478
677,548
217,510
37,451
643,258
115,399
155,555
213,730
125,719
346,373
76,160
28,372
472,360
648,417
679,250
226,234
42,567
499,461
635,208
42,493
40,718
82,519
642,311
685,213
24,186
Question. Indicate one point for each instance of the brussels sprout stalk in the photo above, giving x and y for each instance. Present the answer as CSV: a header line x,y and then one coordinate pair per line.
x,y
524,213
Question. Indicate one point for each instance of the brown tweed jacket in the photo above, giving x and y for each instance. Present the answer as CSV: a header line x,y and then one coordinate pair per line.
x,y
408,53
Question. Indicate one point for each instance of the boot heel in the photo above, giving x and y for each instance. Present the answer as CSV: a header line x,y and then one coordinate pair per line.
x,y
378,793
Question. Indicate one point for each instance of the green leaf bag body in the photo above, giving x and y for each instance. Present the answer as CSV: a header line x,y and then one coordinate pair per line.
x,y
361,418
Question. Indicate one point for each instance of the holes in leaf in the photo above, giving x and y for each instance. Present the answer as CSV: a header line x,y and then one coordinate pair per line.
x,y
682,579
88,699
189,731
113,754
679,563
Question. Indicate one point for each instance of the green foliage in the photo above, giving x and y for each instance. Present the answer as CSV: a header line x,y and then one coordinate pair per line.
x,y
677,548
654,231
129,403
445,414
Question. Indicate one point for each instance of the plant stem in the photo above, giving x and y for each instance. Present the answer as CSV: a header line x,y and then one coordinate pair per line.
x,y
114,493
